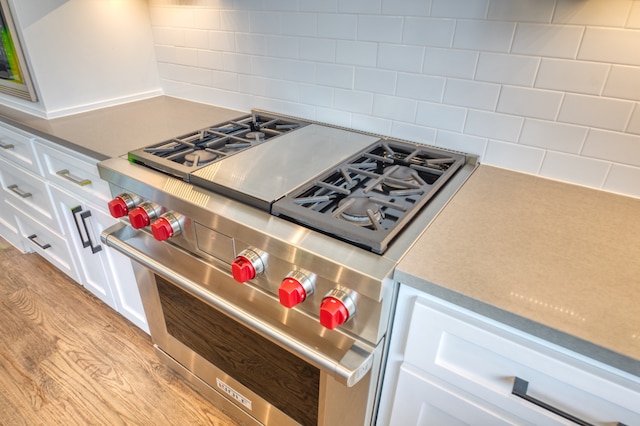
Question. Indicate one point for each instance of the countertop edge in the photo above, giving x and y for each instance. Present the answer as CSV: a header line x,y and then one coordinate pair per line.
x,y
567,341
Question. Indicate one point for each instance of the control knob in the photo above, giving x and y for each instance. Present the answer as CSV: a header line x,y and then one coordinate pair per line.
x,y
337,307
248,264
167,226
144,214
122,204
295,288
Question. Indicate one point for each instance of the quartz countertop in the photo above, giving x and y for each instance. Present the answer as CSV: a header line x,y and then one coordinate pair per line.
x,y
114,131
558,261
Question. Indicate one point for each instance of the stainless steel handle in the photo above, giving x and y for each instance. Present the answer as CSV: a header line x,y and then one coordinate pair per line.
x,y
42,246
85,237
6,145
18,191
353,366
519,389
68,176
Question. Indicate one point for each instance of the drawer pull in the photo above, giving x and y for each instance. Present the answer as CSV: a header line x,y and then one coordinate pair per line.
x,y
520,390
68,176
42,246
85,237
18,191
6,145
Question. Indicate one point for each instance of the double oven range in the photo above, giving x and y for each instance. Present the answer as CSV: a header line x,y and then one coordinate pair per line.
x,y
264,249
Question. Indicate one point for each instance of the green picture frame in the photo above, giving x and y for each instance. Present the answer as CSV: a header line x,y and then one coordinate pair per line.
x,y
15,79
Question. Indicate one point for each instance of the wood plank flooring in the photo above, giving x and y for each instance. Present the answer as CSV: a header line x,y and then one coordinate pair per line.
x,y
68,359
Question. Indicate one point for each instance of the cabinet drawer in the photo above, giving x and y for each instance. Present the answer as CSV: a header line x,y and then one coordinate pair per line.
x,y
28,193
76,173
48,244
17,146
485,358
8,226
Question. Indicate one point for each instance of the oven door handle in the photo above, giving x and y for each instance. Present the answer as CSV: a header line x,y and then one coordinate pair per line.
x,y
354,365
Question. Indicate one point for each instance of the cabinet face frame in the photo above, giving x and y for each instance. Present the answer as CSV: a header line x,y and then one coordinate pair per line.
x,y
15,79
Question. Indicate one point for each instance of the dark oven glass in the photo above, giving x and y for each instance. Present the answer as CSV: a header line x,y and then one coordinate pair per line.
x,y
280,378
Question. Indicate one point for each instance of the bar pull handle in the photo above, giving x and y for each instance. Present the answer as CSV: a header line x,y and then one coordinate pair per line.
x,y
85,238
68,176
519,389
18,191
6,145
42,246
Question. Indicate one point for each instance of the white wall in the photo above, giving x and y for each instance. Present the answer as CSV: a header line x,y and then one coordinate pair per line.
x,y
85,54
541,86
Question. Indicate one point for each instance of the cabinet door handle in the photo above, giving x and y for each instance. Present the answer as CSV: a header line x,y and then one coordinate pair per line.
x,y
33,240
68,176
83,218
18,191
6,145
520,390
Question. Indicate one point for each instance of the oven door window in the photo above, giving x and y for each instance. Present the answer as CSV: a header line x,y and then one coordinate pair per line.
x,y
279,377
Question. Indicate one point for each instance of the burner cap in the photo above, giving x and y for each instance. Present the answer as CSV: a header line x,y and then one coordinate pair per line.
x,y
403,173
356,210
199,158
255,135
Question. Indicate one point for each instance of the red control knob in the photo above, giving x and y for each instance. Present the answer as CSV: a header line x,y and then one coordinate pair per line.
x,y
333,313
122,204
242,269
139,218
248,264
291,292
162,229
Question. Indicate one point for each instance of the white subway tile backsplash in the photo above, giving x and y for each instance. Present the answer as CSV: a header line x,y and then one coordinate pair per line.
x,y
359,6
165,53
607,13
225,80
179,17
299,24
507,69
461,142
337,26
318,6
527,102
422,87
186,56
472,94
413,132
234,20
395,108
634,16
521,10
613,146
251,44
450,62
428,31
574,169
572,76
594,111
196,38
623,180
290,47
236,62
385,29
264,22
222,40
400,58
553,135
371,124
335,75
441,116
469,9
406,7
493,125
168,36
361,53
634,123
333,116
210,59
556,41
375,80
493,36
317,49
353,101
515,157
316,95
283,69
623,82
610,45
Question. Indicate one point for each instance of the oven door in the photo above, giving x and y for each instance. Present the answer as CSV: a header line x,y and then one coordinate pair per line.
x,y
261,362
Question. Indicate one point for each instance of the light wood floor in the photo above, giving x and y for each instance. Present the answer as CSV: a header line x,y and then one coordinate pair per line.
x,y
68,359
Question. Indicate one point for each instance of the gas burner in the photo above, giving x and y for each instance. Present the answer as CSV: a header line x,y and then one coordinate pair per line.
x,y
199,158
401,177
360,211
255,135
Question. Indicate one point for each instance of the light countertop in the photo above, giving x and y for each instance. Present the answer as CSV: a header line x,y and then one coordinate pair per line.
x,y
559,261
114,131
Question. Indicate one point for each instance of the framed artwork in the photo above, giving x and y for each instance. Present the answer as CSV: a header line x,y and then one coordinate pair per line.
x,y
14,75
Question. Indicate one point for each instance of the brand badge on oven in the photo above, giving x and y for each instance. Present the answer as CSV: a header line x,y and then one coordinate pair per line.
x,y
233,394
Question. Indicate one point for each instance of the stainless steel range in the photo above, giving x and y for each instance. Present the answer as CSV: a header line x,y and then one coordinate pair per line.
x,y
264,249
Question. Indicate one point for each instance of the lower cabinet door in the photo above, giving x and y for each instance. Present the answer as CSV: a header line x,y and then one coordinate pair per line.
x,y
420,401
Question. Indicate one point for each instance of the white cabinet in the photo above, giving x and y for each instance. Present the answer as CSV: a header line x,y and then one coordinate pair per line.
x,y
451,366
53,202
